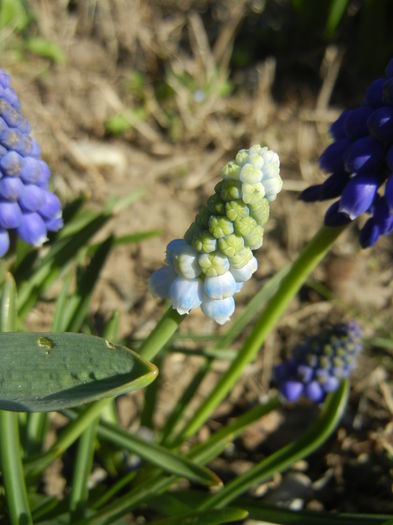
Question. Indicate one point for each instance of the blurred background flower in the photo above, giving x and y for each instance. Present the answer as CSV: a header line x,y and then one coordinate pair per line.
x,y
319,363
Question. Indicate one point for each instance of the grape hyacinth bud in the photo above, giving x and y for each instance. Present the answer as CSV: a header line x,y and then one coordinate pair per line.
x,y
209,266
360,164
320,362
26,204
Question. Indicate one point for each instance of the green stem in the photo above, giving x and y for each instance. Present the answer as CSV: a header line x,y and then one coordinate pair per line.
x,y
274,515
290,284
201,454
10,448
11,463
313,438
161,334
170,432
37,423
71,433
82,468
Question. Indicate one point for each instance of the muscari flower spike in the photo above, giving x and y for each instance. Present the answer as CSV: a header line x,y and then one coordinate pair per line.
x,y
26,204
360,164
209,266
317,365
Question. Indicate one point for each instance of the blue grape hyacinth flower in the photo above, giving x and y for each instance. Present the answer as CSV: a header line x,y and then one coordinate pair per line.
x,y
209,266
27,207
317,365
360,164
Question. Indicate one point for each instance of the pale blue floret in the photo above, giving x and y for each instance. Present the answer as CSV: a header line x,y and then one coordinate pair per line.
x,y
272,186
220,287
271,165
174,248
239,286
185,294
186,263
245,273
220,310
160,281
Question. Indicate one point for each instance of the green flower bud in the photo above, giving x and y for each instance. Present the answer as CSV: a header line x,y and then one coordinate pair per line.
x,y
231,244
245,226
241,157
192,232
213,264
241,258
231,170
252,192
216,205
229,190
204,242
260,211
236,210
220,226
202,218
254,239
250,174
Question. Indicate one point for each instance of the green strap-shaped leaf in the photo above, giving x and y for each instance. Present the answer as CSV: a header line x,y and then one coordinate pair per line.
x,y
51,371
212,517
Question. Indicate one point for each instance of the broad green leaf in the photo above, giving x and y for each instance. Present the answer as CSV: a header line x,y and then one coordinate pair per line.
x,y
51,371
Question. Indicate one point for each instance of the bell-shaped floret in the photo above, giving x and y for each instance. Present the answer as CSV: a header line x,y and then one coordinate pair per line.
x,y
10,214
220,287
358,195
185,294
160,281
32,229
220,310
244,274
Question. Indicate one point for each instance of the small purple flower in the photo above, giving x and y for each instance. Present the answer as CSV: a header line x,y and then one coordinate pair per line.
x,y
360,164
26,205
317,366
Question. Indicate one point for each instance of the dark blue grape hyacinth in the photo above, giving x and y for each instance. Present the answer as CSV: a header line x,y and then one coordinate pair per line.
x,y
27,207
317,365
360,164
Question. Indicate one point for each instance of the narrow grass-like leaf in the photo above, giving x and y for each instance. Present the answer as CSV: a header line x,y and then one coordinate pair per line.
x,y
82,469
50,371
176,416
77,307
268,514
212,517
58,323
155,454
45,48
283,458
10,448
127,239
200,454
50,266
336,12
